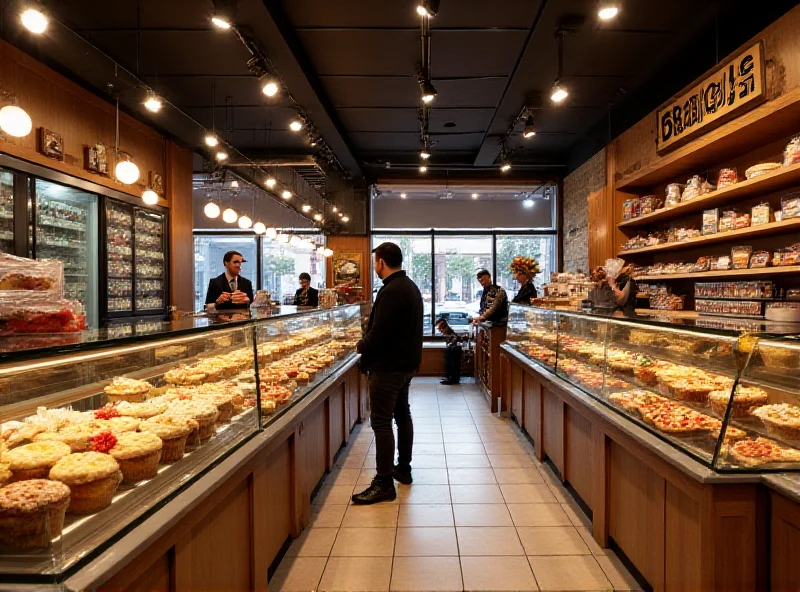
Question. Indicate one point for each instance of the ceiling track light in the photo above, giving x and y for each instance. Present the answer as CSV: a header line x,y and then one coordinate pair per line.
x,y
607,10
428,90
345,219
530,128
286,194
34,20
475,196
428,8
318,217
221,155
558,93
270,86
425,153
306,208
224,14
270,182
423,169
211,140
296,125
153,102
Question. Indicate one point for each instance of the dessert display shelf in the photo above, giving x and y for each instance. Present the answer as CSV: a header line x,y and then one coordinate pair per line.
x,y
726,395
98,435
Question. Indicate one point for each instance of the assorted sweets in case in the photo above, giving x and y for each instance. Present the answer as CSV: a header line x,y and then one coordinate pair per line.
x,y
724,393
92,440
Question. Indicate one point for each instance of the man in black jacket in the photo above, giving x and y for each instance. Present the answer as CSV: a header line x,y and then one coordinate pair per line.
x,y
306,295
230,289
391,351
494,301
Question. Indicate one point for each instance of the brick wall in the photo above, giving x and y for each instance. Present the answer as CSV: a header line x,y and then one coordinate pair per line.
x,y
586,179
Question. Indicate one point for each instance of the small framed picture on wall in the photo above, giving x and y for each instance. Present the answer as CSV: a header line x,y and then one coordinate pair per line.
x,y
157,183
51,144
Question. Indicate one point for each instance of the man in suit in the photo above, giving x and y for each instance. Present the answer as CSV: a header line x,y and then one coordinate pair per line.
x,y
391,351
230,289
306,295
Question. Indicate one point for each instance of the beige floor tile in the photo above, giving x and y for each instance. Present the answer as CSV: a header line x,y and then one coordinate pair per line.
x,y
298,574
369,462
425,515
427,429
538,515
504,448
497,573
426,542
435,438
552,540
476,494
464,448
429,461
560,493
364,478
429,476
431,411
356,574
342,477
425,448
473,438
374,516
488,540
350,463
327,516
313,542
364,542
482,515
616,573
429,574
458,429
576,515
334,494
569,573
468,461
503,438
471,476
424,494
426,420
594,547
488,419
458,421
527,493
517,476
509,461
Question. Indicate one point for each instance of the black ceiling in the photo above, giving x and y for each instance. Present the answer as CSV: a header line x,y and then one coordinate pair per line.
x,y
351,65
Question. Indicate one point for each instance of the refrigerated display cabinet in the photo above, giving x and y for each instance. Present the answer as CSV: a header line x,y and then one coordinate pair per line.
x,y
6,211
150,261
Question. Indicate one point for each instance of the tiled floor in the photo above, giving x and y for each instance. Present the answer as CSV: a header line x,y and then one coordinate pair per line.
x,y
482,514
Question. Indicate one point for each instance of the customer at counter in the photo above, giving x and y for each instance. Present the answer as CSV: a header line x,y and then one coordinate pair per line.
x,y
494,301
306,295
524,268
230,289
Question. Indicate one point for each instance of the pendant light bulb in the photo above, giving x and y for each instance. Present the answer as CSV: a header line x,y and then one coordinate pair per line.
x,y
607,10
334,209
153,103
270,182
211,210
530,128
272,233
259,228
150,197
211,140
296,125
270,88
245,222
558,93
345,219
34,21
428,91
428,8
306,208
327,253
126,172
15,121
318,217
230,216
286,194
505,166
222,155
425,155
423,169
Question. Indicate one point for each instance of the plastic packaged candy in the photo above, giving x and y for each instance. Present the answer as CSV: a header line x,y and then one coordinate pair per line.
x,y
703,264
44,276
790,206
649,204
761,169
791,154
740,256
760,259
761,214
728,220
727,177
630,209
673,195
741,221
711,221
721,263
694,188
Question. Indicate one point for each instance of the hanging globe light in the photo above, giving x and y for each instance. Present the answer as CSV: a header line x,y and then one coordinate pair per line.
x,y
272,233
126,171
15,122
230,216
259,228
150,197
211,210
245,222
327,253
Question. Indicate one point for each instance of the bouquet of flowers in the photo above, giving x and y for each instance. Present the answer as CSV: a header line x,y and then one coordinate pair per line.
x,y
527,265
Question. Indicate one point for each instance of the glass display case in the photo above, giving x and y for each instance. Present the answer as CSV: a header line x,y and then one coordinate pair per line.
x,y
98,433
150,259
119,257
6,212
725,394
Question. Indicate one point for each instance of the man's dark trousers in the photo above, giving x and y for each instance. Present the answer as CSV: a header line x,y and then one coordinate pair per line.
x,y
452,363
388,397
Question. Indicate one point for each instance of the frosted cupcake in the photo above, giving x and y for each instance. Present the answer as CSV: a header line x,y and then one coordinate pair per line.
x,y
173,432
127,389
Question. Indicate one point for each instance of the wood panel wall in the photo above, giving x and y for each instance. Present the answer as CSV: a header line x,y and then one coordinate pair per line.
x,y
178,186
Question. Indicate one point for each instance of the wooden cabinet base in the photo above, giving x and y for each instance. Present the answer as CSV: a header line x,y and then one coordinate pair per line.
x,y
680,531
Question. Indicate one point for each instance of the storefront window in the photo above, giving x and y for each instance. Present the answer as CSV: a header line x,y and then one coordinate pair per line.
x,y
281,264
542,248
208,253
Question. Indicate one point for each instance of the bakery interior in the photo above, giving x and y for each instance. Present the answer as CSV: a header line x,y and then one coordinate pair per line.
x,y
634,426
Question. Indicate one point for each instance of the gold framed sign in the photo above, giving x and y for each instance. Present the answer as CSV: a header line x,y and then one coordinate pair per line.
x,y
347,268
736,86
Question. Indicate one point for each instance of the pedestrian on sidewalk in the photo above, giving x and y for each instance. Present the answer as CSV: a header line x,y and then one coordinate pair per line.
x,y
391,353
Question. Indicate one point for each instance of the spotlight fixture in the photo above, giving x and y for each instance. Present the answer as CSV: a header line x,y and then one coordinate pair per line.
x,y
505,166
211,210
150,197
475,196
230,216
34,21
245,222
126,170
270,88
607,10
428,8
296,125
403,195
345,219
530,129
558,93
220,22
428,90
234,184
318,217
306,208
272,233
224,16
15,121
527,202
286,194
211,140
341,214
425,155
270,182
259,228
153,103
222,155
334,209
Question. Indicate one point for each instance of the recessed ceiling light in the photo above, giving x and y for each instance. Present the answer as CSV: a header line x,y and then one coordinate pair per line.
x,y
286,194
607,10
270,182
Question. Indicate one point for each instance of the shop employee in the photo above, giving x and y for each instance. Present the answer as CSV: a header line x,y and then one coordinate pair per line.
x,y
230,289
306,295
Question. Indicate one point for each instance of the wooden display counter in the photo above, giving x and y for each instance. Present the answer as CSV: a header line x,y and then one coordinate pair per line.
x,y
680,524
487,363
225,531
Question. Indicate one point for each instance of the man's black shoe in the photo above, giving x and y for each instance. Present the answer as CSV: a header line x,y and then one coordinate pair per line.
x,y
449,382
402,475
375,493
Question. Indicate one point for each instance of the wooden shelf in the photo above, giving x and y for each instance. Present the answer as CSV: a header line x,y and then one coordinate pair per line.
x,y
784,226
783,177
725,273
765,124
